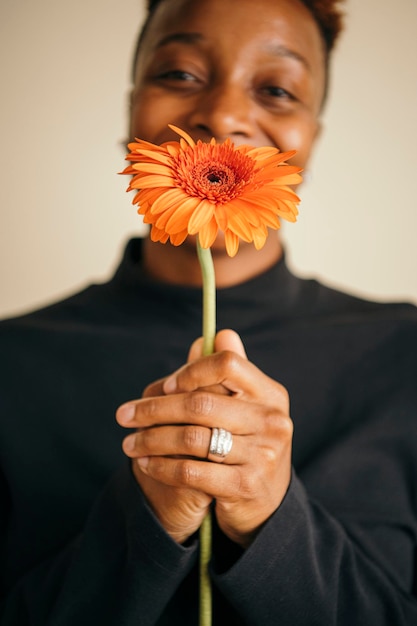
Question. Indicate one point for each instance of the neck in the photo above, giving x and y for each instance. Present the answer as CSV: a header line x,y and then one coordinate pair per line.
x,y
180,266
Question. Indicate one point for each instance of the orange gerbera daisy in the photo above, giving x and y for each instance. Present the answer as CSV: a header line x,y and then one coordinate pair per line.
x,y
187,188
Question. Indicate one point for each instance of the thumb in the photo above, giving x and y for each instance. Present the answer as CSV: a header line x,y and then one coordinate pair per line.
x,y
229,340
225,340
196,350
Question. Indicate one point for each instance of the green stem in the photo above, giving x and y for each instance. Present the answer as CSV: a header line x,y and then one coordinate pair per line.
x,y
209,298
209,333
205,582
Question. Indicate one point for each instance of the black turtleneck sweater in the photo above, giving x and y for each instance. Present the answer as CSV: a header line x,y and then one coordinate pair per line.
x,y
79,545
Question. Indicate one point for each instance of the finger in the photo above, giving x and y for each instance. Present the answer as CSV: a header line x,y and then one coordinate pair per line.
x,y
225,340
246,480
227,368
215,479
182,441
155,388
228,339
196,350
200,408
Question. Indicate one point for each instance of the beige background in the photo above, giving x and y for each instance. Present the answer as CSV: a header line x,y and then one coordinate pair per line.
x,y
64,213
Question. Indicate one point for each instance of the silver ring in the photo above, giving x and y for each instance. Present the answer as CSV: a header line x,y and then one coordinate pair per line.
x,y
221,442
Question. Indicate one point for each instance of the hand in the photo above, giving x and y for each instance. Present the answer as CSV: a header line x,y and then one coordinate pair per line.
x,y
180,509
171,446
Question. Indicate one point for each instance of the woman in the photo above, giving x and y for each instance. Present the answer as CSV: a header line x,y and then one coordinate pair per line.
x,y
314,514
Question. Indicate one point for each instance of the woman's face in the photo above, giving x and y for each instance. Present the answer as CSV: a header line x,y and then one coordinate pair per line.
x,y
250,70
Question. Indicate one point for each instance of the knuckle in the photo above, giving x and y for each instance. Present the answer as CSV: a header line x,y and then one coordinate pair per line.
x,y
248,484
228,360
270,455
284,396
279,424
277,437
147,438
285,429
186,472
156,468
281,397
152,407
272,419
199,403
193,438
286,426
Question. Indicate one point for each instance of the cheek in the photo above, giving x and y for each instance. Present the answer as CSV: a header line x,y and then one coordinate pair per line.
x,y
300,137
146,120
139,127
149,121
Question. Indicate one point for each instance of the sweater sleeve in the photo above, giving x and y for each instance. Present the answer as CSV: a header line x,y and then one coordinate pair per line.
x,y
122,569
306,568
342,547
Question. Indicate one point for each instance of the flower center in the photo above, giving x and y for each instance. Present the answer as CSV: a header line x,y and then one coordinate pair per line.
x,y
214,172
214,178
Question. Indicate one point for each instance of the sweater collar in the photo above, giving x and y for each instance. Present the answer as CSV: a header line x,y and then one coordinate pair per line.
x,y
273,292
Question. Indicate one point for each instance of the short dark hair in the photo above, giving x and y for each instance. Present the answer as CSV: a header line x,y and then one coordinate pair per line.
x,y
327,14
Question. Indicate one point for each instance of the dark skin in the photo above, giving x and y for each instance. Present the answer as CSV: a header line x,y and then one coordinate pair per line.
x,y
221,390
253,72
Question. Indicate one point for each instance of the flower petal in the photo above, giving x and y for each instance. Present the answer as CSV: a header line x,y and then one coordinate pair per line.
x,y
186,187
259,238
262,153
221,216
202,214
283,193
178,238
148,181
154,168
167,198
156,156
208,233
231,242
183,134
162,219
239,225
180,218
262,214
172,147
159,235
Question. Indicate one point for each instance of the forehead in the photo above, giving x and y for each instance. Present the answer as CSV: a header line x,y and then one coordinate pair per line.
x,y
248,26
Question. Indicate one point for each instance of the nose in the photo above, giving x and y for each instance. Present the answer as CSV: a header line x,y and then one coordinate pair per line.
x,y
221,112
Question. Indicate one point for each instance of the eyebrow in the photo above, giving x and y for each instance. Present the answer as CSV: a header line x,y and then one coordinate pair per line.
x,y
187,38
282,51
278,50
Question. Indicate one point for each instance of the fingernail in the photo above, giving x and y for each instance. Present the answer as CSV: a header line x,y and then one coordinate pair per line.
x,y
143,462
126,413
170,384
129,443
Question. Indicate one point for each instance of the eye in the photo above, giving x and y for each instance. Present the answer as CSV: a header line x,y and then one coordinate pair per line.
x,y
277,92
276,99
177,75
